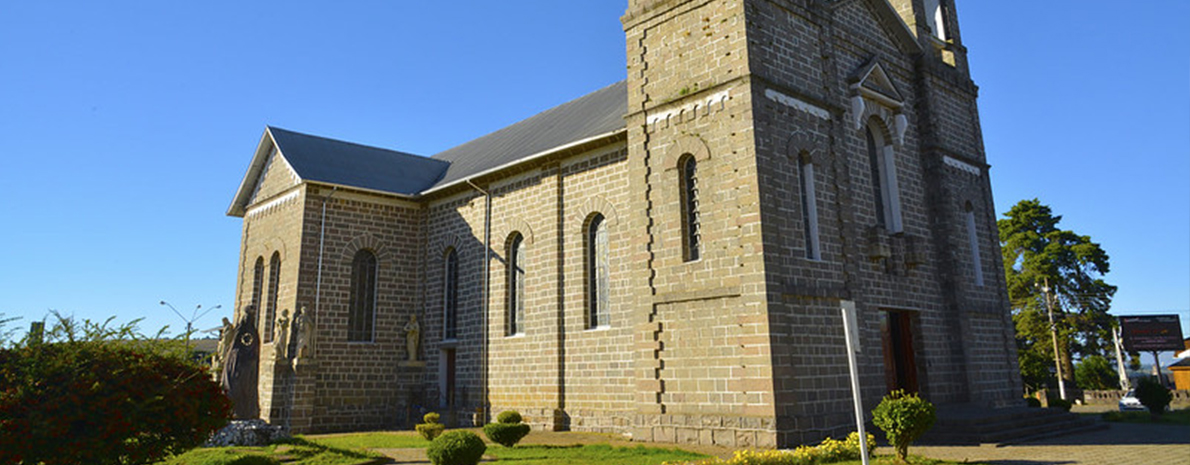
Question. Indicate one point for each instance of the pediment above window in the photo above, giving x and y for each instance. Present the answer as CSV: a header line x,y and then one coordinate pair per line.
x,y
873,94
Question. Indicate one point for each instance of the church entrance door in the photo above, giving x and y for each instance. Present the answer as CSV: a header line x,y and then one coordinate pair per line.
x,y
900,367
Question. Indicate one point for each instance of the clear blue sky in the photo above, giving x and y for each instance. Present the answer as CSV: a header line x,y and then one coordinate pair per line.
x,y
125,127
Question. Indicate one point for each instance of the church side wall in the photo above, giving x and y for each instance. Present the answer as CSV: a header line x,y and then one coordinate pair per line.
x,y
359,385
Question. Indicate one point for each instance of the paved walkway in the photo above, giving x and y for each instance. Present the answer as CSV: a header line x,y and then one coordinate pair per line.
x,y
1119,444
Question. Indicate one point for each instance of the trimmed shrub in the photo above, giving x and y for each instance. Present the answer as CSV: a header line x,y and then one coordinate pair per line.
x,y
903,418
1153,396
1060,403
1032,402
456,448
509,416
508,431
431,428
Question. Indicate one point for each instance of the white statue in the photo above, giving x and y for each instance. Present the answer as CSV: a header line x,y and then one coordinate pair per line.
x,y
281,336
412,333
227,335
303,333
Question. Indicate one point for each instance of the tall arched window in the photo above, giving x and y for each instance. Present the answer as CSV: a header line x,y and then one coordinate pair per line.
x,y
598,273
450,305
516,285
691,236
270,309
362,313
809,207
257,284
882,161
973,243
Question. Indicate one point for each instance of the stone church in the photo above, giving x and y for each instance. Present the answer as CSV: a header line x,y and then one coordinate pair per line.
x,y
665,257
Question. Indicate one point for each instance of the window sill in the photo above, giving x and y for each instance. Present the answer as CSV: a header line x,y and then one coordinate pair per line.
x,y
599,328
515,336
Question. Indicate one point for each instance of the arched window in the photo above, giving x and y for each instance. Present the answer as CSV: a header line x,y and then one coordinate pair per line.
x,y
516,285
882,161
257,284
362,313
270,309
973,243
598,273
450,302
809,207
691,235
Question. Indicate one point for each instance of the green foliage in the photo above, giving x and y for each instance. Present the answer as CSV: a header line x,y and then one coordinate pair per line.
x,y
1032,402
1153,396
1096,373
456,448
509,416
429,431
370,440
1035,251
903,418
508,429
100,395
431,417
1060,403
506,434
829,451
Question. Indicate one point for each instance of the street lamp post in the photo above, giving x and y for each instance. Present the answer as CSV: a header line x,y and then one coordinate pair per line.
x,y
194,316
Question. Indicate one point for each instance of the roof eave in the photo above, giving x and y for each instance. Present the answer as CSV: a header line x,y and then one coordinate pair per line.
x,y
239,203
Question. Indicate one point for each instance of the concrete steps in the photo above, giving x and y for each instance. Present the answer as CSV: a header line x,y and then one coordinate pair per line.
x,y
968,424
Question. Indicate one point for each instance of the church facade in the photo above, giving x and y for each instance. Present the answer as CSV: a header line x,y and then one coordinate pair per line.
x,y
665,257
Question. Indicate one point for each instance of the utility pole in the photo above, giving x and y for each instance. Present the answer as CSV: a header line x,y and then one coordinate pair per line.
x,y
1124,383
1045,291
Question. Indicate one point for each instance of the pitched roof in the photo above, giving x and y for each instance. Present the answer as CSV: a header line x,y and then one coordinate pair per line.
x,y
342,163
592,115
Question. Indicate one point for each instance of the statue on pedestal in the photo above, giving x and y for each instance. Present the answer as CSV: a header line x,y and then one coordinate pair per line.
x,y
412,333
303,337
281,336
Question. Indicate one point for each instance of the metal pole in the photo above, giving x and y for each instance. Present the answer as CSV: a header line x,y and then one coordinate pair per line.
x,y
1124,383
851,331
1157,368
1054,335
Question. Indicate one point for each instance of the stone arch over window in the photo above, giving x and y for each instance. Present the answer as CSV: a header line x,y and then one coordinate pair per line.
x,y
270,304
597,267
366,241
807,155
683,146
514,225
361,316
595,204
450,293
515,265
881,157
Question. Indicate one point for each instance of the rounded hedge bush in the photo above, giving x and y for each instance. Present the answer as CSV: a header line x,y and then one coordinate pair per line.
x,y
431,417
1061,404
1153,396
506,434
509,416
1032,402
456,448
904,418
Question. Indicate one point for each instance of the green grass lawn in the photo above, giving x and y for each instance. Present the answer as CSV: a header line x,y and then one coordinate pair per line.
x,y
591,454
296,451
373,440
1176,417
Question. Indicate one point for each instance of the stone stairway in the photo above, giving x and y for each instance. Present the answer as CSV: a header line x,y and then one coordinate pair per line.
x,y
970,424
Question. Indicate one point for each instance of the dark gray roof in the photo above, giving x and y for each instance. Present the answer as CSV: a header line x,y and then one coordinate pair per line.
x,y
594,114
344,163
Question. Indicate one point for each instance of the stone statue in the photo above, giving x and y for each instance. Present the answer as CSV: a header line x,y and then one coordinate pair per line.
x,y
303,336
241,367
281,336
412,333
226,339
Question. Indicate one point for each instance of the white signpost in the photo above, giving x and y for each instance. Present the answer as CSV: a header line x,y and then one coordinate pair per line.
x,y
851,330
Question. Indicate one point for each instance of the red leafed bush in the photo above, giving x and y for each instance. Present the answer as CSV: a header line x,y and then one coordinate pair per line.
x,y
103,402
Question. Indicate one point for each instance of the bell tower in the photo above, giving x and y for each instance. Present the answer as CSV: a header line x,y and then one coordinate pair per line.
x,y
937,28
